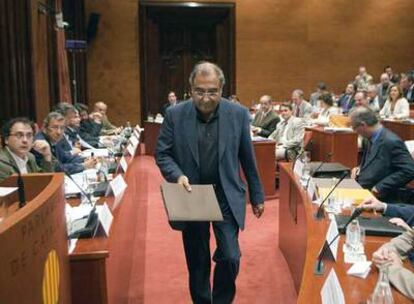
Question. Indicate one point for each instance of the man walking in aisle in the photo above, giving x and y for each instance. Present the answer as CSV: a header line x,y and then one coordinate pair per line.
x,y
204,141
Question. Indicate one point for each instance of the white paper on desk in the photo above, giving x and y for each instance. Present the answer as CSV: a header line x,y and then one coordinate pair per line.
x,y
4,191
330,235
134,141
105,217
96,152
331,292
72,245
131,149
70,187
360,269
337,129
298,168
123,163
78,212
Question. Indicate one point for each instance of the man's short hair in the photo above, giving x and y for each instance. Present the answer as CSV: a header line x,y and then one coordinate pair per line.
x,y
205,68
365,115
5,130
363,92
286,105
81,107
64,108
298,92
52,116
327,99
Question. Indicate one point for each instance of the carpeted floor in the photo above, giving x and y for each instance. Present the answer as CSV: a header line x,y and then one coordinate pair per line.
x,y
147,264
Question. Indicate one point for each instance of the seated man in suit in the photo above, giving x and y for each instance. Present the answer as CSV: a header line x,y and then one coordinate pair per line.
x,y
391,255
346,101
386,163
301,108
363,79
401,214
71,141
53,129
18,140
266,120
107,127
409,91
172,101
90,125
288,134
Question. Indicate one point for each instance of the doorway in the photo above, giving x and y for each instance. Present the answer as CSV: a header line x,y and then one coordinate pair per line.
x,y
173,38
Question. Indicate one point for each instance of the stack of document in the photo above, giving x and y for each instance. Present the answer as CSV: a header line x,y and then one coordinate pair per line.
x,y
338,129
360,269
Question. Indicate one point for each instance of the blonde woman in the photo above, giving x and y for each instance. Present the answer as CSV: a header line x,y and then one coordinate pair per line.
x,y
396,105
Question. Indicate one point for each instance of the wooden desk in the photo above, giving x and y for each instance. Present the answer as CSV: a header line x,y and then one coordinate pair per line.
x,y
341,147
404,130
265,161
89,261
301,238
151,131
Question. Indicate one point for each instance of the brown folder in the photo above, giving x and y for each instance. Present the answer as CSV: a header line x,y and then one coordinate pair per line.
x,y
198,205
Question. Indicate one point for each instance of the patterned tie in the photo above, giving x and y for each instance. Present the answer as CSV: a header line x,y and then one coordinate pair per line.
x,y
297,111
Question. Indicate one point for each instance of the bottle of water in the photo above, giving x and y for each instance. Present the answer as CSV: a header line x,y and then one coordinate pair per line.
x,y
382,292
353,236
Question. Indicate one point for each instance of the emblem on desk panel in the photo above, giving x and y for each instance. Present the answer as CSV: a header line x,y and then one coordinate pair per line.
x,y
51,277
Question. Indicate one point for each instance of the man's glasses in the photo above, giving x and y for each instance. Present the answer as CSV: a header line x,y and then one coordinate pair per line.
x,y
209,93
20,135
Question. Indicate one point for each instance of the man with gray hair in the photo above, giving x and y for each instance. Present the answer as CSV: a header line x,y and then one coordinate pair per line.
x,y
386,164
204,140
52,132
301,108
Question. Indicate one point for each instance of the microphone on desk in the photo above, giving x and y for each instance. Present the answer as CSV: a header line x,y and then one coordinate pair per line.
x,y
319,213
304,149
319,267
20,183
90,223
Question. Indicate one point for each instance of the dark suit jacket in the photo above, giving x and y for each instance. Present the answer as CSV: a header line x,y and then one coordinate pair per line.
x,y
388,166
268,123
406,212
89,131
177,152
342,100
66,161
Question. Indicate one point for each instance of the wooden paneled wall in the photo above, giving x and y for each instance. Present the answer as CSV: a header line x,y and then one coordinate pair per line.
x,y
280,45
16,82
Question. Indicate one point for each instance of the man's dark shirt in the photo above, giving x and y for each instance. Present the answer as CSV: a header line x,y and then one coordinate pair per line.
x,y
207,132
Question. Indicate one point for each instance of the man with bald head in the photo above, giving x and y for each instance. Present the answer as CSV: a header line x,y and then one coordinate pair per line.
x,y
265,120
206,140
107,127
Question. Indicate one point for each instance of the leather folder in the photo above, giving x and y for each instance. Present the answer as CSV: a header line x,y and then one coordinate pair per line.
x,y
198,205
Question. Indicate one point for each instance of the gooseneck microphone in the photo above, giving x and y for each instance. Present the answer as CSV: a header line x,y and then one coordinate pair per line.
x,y
319,214
319,267
20,183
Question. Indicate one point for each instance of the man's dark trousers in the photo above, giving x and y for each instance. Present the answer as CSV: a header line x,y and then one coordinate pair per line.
x,y
196,238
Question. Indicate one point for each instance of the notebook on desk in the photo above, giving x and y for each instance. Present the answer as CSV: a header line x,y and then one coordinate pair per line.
x,y
378,226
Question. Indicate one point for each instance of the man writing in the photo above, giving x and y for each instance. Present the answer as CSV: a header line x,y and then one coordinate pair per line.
x,y
204,141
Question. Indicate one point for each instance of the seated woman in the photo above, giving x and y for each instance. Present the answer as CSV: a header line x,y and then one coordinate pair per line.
x,y
326,110
396,106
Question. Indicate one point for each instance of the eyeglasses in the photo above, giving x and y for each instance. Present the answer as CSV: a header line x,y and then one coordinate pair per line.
x,y
20,135
208,93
